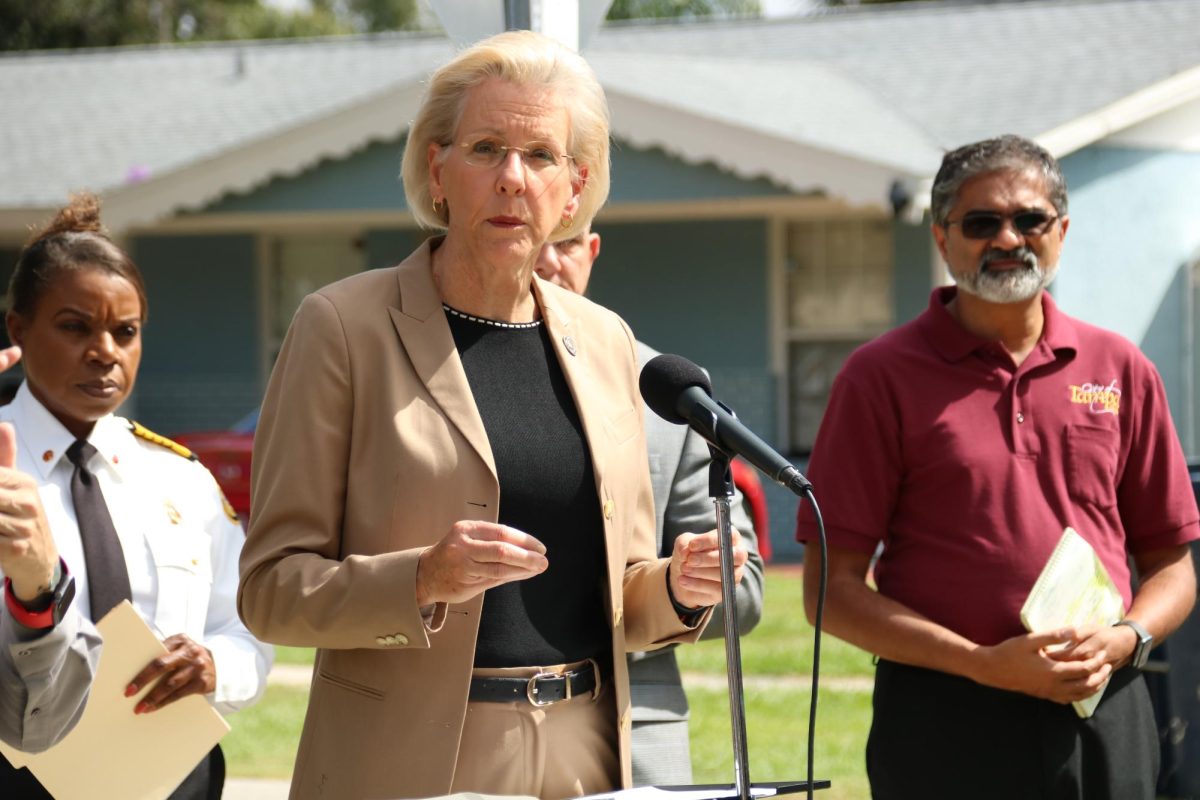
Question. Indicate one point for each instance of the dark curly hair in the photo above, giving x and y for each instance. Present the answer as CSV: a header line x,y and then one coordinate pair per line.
x,y
73,240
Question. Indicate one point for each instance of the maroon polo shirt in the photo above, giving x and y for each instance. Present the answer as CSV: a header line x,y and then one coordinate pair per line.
x,y
968,467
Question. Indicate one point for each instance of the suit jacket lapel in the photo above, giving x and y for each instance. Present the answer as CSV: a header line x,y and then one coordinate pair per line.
x,y
572,355
425,335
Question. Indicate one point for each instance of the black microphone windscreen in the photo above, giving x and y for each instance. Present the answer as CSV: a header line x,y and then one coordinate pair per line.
x,y
664,378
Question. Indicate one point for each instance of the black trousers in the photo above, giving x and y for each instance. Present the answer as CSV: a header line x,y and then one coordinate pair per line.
x,y
205,782
937,736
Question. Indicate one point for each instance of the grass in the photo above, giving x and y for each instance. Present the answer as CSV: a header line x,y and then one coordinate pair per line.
x,y
781,645
263,741
264,737
294,655
776,727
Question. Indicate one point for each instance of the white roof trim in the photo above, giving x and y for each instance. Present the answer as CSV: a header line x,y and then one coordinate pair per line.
x,y
1144,104
1153,100
747,153
335,135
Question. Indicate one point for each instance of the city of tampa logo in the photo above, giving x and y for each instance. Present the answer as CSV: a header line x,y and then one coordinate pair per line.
x,y
1099,399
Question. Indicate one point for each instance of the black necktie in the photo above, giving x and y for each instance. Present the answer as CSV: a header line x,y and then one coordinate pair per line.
x,y
108,579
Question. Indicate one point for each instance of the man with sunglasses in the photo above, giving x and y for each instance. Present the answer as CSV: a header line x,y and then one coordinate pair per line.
x,y
965,442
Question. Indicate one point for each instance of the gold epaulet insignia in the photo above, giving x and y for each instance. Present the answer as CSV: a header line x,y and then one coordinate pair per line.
x,y
142,432
229,512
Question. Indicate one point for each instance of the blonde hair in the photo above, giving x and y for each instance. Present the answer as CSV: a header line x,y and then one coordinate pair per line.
x,y
523,58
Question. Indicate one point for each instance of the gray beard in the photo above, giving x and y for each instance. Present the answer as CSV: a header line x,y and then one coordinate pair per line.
x,y
1009,286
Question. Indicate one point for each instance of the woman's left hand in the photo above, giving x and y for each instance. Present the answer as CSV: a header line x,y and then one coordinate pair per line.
x,y
187,668
695,572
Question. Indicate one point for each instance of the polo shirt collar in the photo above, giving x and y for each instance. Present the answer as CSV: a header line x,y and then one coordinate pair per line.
x,y
953,342
47,439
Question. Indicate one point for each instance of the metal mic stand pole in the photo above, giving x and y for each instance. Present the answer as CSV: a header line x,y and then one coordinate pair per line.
x,y
720,488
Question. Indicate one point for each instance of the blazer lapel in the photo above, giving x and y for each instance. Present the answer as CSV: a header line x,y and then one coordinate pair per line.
x,y
421,324
569,348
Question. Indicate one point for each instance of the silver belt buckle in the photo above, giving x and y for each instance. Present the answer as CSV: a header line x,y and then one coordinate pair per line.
x,y
531,689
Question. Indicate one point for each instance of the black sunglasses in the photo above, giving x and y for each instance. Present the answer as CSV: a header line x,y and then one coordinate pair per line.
x,y
986,224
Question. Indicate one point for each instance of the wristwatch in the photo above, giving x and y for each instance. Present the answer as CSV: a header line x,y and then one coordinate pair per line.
x,y
47,609
1141,653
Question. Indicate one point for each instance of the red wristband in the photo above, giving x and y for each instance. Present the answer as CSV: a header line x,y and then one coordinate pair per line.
x,y
35,620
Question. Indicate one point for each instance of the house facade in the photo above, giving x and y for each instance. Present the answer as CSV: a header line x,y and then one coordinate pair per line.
x,y
770,182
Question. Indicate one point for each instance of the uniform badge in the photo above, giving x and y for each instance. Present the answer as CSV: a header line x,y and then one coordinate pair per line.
x,y
173,512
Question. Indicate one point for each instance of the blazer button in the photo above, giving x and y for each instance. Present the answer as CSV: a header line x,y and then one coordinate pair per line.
x,y
608,509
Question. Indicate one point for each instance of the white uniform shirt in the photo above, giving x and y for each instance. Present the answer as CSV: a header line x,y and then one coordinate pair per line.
x,y
181,547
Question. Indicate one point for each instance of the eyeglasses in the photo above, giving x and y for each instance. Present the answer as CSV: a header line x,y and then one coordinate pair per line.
x,y
986,224
488,153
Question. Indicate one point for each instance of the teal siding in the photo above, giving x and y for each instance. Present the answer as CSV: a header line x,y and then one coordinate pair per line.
x,y
652,175
1135,225
386,248
366,180
200,356
370,180
698,289
912,254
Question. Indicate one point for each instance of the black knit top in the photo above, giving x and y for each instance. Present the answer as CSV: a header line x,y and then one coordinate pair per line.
x,y
547,489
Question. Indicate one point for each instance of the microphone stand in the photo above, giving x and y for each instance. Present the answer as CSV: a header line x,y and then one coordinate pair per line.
x,y
720,488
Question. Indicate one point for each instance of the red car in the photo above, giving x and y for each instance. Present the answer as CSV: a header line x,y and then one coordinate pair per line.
x,y
227,456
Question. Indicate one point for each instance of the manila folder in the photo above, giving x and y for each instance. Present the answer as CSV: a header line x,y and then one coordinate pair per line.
x,y
114,753
1074,589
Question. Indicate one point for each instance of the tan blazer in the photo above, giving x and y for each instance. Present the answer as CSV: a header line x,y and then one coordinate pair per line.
x,y
368,449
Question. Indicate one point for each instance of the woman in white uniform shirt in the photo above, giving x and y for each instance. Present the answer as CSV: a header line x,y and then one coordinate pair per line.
x,y
77,306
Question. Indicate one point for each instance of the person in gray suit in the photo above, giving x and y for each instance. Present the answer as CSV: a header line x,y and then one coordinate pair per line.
x,y
679,473
48,651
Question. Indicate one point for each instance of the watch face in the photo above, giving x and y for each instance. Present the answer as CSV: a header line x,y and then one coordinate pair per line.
x,y
1141,652
63,595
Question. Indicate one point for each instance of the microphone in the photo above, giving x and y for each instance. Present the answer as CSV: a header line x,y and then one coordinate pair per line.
x,y
679,392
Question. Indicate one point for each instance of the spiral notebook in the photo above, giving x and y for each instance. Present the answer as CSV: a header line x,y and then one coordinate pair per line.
x,y
1073,589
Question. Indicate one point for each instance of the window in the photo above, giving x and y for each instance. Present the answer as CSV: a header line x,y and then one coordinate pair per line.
x,y
301,265
839,295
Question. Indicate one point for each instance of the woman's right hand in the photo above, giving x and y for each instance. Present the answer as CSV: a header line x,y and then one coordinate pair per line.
x,y
472,558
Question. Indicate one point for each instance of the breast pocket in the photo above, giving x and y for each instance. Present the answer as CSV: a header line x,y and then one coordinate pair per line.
x,y
183,570
1092,464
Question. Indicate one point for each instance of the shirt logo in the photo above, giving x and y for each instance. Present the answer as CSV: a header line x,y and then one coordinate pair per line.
x,y
1099,399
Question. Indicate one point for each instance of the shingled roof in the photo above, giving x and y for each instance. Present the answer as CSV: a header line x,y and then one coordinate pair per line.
x,y
840,103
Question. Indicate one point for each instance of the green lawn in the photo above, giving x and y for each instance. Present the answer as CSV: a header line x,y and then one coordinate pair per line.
x,y
264,737
777,718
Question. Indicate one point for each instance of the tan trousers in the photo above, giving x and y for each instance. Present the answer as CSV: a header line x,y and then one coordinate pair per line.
x,y
552,752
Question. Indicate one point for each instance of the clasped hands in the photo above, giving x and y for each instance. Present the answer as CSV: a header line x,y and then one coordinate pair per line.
x,y
1063,666
476,556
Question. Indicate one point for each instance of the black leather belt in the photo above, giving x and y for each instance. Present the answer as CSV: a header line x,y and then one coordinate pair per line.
x,y
542,689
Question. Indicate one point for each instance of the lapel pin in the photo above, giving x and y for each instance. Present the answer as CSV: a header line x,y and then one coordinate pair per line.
x,y
172,513
569,343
